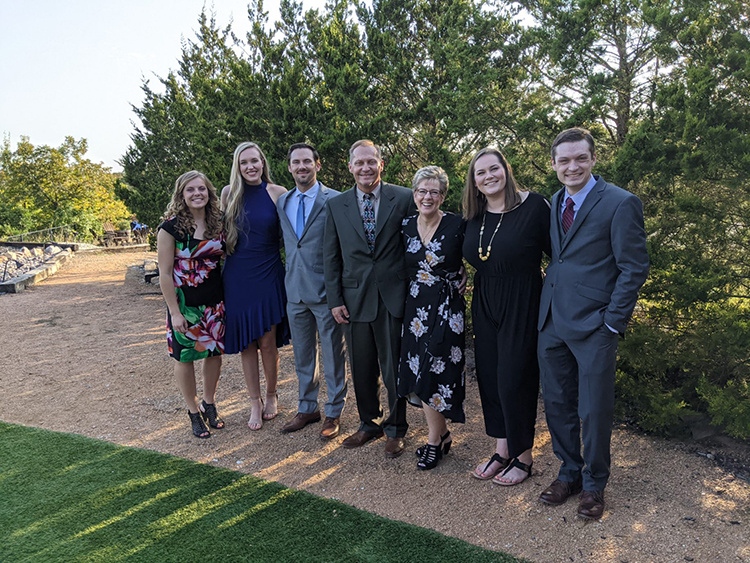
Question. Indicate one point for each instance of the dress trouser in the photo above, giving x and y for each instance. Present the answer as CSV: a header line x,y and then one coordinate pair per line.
x,y
306,321
578,387
374,344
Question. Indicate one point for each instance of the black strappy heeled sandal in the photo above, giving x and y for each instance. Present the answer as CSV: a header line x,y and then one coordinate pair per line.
x,y
199,429
446,447
431,455
208,411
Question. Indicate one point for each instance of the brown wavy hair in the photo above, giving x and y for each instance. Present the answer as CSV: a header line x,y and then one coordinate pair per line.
x,y
474,202
233,211
178,209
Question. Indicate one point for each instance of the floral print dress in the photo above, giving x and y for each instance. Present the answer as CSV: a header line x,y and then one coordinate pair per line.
x,y
431,368
200,295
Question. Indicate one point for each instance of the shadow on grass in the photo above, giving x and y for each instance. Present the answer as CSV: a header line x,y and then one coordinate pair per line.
x,y
70,498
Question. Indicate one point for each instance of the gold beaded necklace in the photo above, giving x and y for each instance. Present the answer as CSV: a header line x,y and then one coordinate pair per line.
x,y
484,257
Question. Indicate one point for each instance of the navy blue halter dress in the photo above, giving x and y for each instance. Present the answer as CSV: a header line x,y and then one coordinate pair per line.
x,y
254,294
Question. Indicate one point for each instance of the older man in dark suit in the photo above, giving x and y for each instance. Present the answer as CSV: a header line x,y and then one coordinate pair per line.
x,y
366,285
599,263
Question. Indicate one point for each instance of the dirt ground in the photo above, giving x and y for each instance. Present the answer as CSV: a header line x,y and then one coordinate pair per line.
x,y
87,354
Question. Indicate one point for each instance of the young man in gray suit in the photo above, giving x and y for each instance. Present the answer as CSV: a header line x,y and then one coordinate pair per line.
x,y
302,213
366,285
599,262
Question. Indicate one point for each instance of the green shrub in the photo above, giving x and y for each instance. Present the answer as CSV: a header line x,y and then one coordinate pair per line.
x,y
152,241
694,361
729,407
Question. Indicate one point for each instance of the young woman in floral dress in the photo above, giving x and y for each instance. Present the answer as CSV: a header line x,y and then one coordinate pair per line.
x,y
431,370
190,244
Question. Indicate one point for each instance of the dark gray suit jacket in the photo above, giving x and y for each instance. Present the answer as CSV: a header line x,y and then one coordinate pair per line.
x,y
304,280
354,276
598,266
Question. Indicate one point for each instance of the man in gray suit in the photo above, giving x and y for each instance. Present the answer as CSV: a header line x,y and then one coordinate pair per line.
x,y
302,213
366,285
599,262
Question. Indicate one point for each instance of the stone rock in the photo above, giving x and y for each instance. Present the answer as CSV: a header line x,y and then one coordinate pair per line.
x,y
15,263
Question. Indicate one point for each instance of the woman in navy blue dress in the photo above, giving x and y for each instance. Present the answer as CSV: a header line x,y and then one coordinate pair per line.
x,y
254,295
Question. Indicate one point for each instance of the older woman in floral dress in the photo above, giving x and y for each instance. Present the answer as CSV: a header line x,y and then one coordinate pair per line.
x,y
190,244
432,345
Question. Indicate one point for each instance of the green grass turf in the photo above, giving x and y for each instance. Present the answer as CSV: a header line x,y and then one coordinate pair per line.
x,y
68,498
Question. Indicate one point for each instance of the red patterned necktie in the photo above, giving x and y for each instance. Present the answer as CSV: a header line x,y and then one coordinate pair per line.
x,y
568,215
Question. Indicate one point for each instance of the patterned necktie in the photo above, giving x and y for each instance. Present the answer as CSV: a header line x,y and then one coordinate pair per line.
x,y
368,219
300,216
568,215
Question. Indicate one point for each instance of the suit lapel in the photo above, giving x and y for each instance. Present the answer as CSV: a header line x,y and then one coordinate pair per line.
x,y
320,201
555,227
282,209
386,207
351,210
588,204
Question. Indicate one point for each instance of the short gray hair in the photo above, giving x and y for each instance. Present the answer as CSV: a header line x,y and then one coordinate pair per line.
x,y
431,173
365,143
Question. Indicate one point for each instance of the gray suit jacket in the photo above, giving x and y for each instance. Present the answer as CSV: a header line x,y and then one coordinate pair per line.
x,y
354,276
598,266
305,282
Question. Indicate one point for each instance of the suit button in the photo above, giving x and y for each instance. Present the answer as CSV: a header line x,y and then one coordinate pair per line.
x,y
560,261
300,246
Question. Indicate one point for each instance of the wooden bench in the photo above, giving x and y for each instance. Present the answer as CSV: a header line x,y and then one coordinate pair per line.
x,y
114,237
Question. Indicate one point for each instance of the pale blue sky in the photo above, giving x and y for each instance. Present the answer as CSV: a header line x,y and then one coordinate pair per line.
x,y
74,68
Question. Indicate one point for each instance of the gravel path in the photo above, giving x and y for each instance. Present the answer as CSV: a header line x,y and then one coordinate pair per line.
x,y
87,354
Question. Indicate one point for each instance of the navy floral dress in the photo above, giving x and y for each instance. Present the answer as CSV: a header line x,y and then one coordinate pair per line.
x,y
200,295
431,368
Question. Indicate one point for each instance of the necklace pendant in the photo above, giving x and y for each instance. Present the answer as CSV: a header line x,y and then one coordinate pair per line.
x,y
484,258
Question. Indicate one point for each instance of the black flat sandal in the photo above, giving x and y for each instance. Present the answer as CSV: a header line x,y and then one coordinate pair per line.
x,y
430,457
199,429
208,410
445,447
496,457
515,462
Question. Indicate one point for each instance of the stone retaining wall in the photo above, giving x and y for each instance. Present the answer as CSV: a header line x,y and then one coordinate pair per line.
x,y
25,267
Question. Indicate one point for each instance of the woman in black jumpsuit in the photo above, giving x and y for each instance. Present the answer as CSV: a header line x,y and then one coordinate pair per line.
x,y
506,234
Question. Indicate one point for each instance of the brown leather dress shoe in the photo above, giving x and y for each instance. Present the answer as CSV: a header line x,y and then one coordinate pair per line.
x,y
360,438
330,428
300,420
591,506
559,491
394,447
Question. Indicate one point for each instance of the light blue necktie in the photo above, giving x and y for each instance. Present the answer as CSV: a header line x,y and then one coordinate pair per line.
x,y
300,216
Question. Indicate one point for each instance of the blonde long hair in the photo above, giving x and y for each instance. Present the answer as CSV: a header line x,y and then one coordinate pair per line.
x,y
177,208
233,218
474,201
